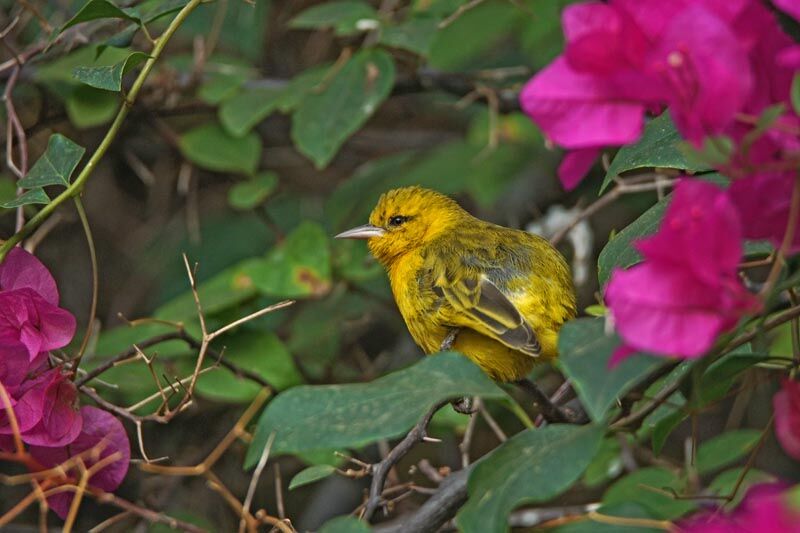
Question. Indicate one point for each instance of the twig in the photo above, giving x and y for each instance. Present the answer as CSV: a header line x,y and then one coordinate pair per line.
x,y
638,416
381,470
467,440
463,8
279,492
493,425
551,412
251,489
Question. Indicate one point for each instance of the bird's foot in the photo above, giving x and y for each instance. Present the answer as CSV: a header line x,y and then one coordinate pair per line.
x,y
449,339
464,405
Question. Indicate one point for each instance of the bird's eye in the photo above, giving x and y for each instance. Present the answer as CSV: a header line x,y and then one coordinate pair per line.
x,y
397,220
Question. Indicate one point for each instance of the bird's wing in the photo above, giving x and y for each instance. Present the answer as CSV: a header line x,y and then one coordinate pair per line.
x,y
479,304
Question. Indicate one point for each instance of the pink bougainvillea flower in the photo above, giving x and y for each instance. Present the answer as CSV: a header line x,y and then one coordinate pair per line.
x,y
576,165
765,509
105,435
682,296
764,202
27,317
23,270
707,71
790,7
786,403
60,421
708,60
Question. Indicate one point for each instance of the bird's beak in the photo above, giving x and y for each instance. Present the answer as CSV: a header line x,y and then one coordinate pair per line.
x,y
367,231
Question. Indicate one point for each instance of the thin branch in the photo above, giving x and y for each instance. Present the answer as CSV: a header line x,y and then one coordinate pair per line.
x,y
251,489
381,470
87,230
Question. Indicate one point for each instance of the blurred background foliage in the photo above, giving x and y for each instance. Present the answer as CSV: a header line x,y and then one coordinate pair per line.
x,y
265,129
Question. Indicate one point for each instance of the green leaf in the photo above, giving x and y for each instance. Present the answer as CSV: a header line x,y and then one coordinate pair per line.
x,y
585,349
664,427
607,463
535,465
300,86
725,449
211,147
415,35
345,524
100,9
299,266
659,146
726,482
795,92
345,416
260,352
326,119
220,86
240,113
645,487
619,252
346,17
109,77
56,165
310,475
720,375
33,196
88,107
622,510
248,194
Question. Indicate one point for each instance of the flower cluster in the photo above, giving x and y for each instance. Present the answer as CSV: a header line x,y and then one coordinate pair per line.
x,y
44,400
724,71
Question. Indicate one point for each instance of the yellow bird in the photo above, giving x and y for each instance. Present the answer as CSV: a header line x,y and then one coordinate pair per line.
x,y
503,293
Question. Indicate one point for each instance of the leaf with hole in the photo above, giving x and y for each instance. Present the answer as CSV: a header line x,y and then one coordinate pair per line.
x,y
56,164
310,417
585,349
312,474
109,77
211,147
326,118
535,465
299,266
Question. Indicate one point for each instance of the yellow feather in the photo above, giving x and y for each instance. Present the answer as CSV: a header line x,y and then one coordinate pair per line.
x,y
508,291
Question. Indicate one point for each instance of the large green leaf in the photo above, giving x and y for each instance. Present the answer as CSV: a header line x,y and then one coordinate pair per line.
x,y
211,147
647,487
109,77
725,483
260,352
533,466
299,266
585,349
100,9
659,146
344,416
56,164
346,17
725,448
241,112
326,119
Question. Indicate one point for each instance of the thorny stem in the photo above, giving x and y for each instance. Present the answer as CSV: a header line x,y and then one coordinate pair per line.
x,y
77,186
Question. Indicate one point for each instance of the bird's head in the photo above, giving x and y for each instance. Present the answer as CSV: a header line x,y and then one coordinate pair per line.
x,y
404,220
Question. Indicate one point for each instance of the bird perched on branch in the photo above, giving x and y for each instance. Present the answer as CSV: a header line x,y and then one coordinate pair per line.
x,y
503,293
